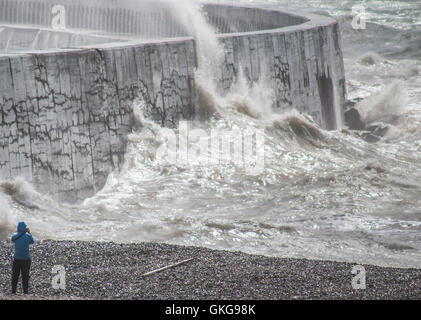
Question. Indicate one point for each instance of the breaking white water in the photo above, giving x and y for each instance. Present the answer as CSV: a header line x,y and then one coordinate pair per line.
x,y
321,195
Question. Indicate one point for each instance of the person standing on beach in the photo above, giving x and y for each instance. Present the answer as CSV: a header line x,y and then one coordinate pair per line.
x,y
22,258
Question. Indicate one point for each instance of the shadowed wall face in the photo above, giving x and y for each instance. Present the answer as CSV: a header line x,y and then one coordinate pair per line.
x,y
325,85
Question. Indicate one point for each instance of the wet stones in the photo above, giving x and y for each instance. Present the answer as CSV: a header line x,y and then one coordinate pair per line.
x,y
371,133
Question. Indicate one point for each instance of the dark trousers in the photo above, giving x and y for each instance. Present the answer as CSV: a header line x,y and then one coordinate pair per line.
x,y
20,267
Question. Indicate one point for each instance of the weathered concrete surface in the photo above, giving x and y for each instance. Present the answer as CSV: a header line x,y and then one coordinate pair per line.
x,y
65,115
303,63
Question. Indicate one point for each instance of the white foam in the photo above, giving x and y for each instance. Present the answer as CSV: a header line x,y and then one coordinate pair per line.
x,y
385,105
6,227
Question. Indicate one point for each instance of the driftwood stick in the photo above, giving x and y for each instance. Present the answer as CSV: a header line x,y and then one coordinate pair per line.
x,y
166,268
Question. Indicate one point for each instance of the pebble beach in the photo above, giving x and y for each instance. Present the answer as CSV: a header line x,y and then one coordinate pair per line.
x,y
101,271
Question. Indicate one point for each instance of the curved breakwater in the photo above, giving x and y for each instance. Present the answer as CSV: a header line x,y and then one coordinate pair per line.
x,y
67,106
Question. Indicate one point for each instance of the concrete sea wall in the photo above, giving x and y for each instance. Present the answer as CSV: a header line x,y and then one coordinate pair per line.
x,y
301,59
304,69
65,114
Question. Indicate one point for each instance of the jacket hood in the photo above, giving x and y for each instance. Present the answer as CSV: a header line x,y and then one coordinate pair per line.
x,y
21,227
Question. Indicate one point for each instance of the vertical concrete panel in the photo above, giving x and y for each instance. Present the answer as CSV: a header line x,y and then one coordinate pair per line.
x,y
8,119
23,164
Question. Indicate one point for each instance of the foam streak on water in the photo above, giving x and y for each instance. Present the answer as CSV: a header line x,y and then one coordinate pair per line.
x,y
322,195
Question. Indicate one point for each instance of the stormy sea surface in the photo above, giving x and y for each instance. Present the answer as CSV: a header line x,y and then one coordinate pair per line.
x,y
328,195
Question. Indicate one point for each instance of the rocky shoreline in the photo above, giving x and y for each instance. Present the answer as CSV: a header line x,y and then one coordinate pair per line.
x,y
97,270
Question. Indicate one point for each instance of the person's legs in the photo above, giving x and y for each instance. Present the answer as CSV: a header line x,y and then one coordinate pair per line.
x,y
26,267
15,274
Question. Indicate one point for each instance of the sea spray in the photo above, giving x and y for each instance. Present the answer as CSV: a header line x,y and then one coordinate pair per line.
x,y
210,52
322,195
384,106
6,227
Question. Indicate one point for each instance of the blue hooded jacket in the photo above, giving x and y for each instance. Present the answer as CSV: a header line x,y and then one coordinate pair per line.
x,y
22,244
